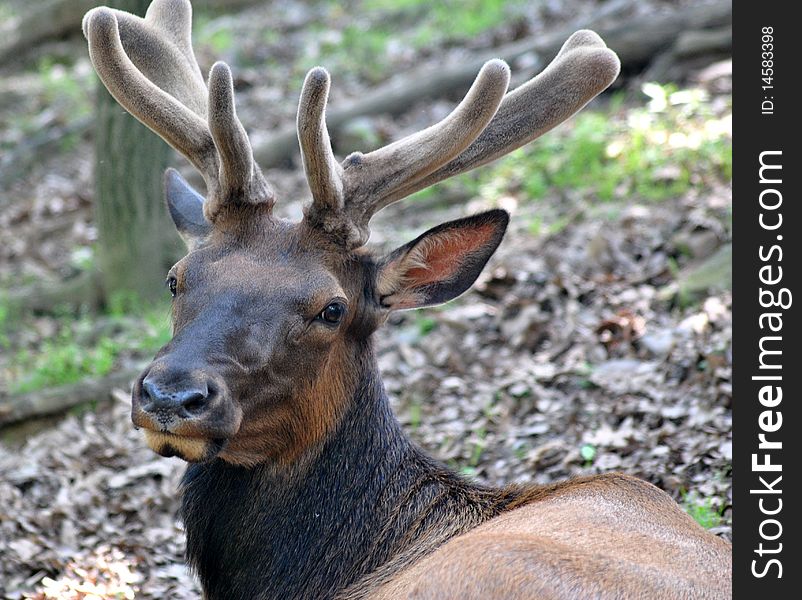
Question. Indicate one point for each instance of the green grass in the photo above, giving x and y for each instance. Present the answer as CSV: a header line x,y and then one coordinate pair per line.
x,y
478,448
365,45
469,469
65,88
75,353
425,324
447,20
211,33
521,451
415,415
360,48
221,40
702,510
62,361
65,96
4,322
588,454
6,11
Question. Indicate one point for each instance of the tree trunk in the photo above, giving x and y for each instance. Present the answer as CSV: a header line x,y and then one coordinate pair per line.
x,y
137,243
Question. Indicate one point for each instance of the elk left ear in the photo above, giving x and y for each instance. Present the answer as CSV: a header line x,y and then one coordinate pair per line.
x,y
186,208
442,263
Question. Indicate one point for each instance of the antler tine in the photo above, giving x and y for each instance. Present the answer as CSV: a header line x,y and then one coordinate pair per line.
x,y
345,197
239,177
417,155
149,67
582,69
174,17
323,172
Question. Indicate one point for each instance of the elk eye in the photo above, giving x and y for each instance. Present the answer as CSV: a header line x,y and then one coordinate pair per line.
x,y
333,313
172,284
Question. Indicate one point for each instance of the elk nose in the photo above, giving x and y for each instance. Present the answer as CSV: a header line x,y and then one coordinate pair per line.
x,y
166,404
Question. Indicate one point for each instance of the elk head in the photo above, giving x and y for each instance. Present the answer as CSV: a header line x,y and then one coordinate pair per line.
x,y
271,318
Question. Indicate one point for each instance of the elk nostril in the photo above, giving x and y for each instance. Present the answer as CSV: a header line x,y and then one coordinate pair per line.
x,y
194,402
149,391
166,404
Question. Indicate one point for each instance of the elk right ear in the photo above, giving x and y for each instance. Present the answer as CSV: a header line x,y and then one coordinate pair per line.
x,y
442,263
186,208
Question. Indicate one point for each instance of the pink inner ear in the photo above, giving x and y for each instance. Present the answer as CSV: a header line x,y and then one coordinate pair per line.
x,y
439,257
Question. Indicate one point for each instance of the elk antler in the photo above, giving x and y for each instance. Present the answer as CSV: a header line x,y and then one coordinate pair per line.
x,y
486,125
149,67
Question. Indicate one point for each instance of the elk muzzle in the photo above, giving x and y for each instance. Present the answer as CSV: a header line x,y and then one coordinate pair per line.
x,y
184,413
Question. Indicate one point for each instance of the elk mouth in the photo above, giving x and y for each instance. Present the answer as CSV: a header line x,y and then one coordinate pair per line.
x,y
190,449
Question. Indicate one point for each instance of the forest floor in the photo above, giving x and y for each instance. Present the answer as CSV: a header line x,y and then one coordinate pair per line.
x,y
598,338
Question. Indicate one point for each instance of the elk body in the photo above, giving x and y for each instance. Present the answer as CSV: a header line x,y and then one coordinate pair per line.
x,y
301,483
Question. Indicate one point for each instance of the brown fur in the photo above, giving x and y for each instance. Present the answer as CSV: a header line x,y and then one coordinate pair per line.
x,y
608,536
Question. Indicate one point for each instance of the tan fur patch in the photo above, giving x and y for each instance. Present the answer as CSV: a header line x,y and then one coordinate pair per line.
x,y
286,433
320,411
190,449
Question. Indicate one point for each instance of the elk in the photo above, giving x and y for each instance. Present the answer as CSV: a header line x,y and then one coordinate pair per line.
x,y
301,482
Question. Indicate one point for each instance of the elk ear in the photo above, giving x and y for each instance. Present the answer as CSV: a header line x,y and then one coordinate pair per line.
x,y
186,208
442,263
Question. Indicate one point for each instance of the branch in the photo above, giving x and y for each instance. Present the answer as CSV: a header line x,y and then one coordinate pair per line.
x,y
83,290
53,19
51,401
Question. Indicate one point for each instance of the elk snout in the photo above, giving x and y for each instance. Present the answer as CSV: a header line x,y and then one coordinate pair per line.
x,y
192,403
166,403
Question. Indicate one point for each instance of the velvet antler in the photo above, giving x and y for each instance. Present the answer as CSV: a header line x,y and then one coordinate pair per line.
x,y
486,125
149,67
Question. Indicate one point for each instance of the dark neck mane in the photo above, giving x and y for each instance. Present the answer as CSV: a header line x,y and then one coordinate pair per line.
x,y
367,504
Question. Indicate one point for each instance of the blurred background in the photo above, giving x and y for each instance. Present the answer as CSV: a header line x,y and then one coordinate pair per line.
x,y
598,338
